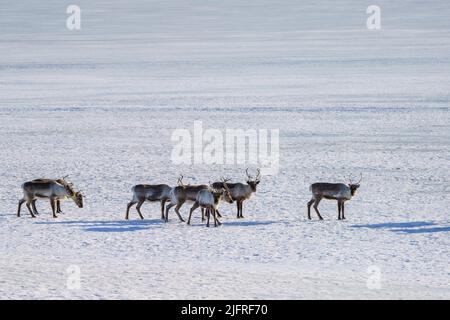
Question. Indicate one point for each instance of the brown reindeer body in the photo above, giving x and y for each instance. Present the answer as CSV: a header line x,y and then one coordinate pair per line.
x,y
54,190
332,191
151,193
58,202
181,194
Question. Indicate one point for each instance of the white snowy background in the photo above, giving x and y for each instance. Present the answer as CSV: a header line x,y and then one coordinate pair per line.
x,y
101,104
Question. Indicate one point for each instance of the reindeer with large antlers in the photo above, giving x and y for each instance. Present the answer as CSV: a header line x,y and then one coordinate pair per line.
x,y
332,191
240,191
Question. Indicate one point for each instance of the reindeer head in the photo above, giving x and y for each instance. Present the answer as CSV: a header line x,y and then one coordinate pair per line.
x,y
253,182
78,199
354,186
76,196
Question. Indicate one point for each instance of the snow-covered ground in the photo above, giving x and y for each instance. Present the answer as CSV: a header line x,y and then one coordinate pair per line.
x,y
102,103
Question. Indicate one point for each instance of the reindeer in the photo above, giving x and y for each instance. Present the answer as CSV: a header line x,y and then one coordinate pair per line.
x,y
332,191
151,193
209,199
49,189
182,193
58,202
240,191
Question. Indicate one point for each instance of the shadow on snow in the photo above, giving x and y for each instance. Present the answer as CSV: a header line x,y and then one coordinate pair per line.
x,y
407,227
198,223
250,223
108,226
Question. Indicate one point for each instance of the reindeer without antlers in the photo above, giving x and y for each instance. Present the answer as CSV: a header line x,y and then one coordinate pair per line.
x,y
209,199
54,190
240,191
151,193
332,191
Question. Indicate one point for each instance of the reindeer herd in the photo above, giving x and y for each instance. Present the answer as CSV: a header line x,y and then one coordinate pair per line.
x,y
207,197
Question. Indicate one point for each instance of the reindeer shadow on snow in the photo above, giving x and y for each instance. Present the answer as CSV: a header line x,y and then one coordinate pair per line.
x,y
412,227
108,225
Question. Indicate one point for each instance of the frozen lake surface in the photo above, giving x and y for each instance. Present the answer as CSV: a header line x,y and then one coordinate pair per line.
x,y
102,103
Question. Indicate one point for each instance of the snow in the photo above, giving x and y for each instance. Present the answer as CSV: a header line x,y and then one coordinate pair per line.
x,y
101,104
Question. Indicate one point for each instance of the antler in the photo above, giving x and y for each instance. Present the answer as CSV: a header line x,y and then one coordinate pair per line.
x,y
225,186
360,178
351,181
258,174
70,184
248,175
349,178
225,180
180,181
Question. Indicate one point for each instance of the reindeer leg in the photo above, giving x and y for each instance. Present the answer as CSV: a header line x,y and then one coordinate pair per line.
x,y
342,209
316,204
339,209
29,209
53,205
240,206
58,206
208,214
129,205
177,211
21,202
167,210
216,218
310,202
138,208
195,206
237,207
218,214
163,203
33,206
